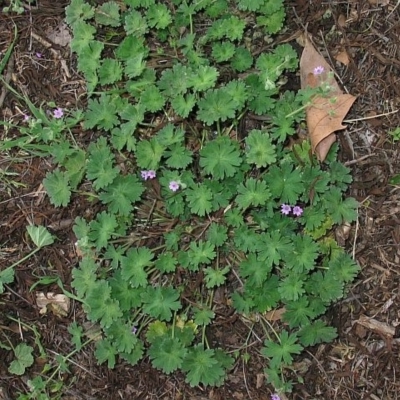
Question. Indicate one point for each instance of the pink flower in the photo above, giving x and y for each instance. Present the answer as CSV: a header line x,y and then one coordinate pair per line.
x,y
285,209
297,211
58,113
318,70
174,186
26,117
148,174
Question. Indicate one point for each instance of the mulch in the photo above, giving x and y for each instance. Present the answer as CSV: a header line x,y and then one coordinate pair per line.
x,y
364,361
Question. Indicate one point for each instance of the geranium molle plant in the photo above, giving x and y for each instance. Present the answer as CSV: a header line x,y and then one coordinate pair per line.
x,y
188,202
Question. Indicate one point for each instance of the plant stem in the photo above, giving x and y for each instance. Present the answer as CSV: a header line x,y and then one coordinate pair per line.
x,y
23,259
298,110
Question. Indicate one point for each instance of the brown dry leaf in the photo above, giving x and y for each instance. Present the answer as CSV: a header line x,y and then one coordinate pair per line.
x,y
57,303
326,114
60,35
343,57
342,20
275,315
260,378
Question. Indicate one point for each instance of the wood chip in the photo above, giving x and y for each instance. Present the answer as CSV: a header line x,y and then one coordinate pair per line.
x,y
376,326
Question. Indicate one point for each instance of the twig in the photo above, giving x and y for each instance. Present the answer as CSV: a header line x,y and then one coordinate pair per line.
x,y
45,43
355,238
377,326
331,61
245,381
391,12
351,162
371,117
49,46
75,363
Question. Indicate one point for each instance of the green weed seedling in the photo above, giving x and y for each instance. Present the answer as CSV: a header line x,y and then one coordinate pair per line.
x,y
186,197
43,130
23,353
23,359
395,134
52,386
9,51
47,385
15,6
46,131
41,238
6,178
395,137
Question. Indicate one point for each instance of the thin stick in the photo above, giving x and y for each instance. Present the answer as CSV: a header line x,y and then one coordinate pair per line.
x,y
49,46
355,239
330,60
351,162
391,12
371,117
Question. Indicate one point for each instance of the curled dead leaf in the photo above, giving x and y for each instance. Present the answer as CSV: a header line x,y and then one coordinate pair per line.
x,y
58,304
342,233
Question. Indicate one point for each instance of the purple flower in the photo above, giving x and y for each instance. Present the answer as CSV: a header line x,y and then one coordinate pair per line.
x,y
318,70
39,55
297,211
275,397
151,174
58,113
148,174
144,175
285,209
134,330
174,186
26,117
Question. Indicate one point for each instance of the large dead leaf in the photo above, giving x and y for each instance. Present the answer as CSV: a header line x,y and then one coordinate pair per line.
x,y
326,114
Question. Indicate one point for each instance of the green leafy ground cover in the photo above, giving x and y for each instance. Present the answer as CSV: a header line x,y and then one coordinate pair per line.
x,y
168,85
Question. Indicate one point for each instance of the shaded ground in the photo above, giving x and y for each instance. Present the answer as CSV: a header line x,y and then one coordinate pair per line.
x,y
363,363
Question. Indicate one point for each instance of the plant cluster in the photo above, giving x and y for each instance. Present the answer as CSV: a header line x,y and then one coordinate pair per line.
x,y
16,6
23,359
182,197
395,134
